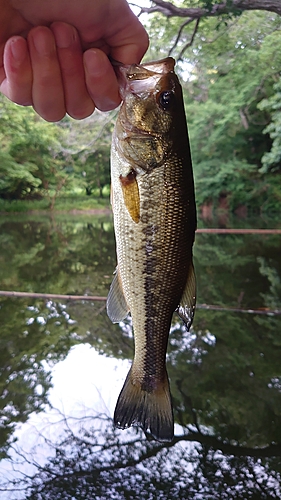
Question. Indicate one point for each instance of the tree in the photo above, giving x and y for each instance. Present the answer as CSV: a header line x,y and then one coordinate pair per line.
x,y
87,147
225,374
31,158
96,170
17,180
271,160
96,462
208,8
183,35
31,333
225,76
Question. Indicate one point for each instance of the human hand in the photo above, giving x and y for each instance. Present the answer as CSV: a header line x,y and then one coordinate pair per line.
x,y
62,68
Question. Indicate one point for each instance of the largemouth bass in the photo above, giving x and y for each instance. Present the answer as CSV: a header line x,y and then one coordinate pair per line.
x,y
155,221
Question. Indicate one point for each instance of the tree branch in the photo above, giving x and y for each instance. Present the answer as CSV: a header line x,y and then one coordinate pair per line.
x,y
168,9
188,44
186,23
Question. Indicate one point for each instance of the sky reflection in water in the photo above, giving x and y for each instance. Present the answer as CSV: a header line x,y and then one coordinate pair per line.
x,y
225,374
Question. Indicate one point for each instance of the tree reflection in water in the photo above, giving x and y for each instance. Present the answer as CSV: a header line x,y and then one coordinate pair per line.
x,y
101,463
225,374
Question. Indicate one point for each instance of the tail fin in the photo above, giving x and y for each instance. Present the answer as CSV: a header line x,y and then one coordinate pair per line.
x,y
151,410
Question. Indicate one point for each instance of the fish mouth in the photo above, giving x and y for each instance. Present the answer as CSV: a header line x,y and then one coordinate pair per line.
x,y
138,79
162,67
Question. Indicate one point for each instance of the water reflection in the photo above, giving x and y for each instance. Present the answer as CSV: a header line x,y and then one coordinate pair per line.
x,y
57,256
63,364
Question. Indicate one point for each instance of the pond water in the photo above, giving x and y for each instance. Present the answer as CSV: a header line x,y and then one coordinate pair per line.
x,y
63,363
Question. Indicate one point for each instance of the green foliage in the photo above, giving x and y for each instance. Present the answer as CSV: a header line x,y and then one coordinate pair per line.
x,y
271,160
40,145
69,202
231,80
17,180
40,159
226,123
269,270
69,258
31,332
232,105
87,144
30,153
96,171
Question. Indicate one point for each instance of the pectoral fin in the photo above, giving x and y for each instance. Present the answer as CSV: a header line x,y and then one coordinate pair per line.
x,y
116,305
131,194
186,308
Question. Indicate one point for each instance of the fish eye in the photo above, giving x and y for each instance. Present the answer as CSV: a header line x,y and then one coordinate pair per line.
x,y
166,98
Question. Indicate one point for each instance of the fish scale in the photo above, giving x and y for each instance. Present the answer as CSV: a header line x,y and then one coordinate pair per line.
x,y
154,221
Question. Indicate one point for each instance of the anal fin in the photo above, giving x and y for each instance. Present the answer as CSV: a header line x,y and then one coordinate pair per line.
x,y
186,308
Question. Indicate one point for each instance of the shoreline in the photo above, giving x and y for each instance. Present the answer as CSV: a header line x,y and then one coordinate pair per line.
x,y
74,211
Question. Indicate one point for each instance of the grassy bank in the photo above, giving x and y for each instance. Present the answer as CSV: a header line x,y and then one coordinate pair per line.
x,y
62,203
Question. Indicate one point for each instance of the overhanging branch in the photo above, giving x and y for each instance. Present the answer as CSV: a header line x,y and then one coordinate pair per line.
x,y
168,9
190,42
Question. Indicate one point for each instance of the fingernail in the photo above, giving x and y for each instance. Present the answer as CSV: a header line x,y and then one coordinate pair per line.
x,y
43,42
92,63
18,49
64,34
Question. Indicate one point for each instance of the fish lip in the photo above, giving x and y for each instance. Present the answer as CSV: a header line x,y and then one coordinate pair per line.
x,y
167,66
136,78
139,80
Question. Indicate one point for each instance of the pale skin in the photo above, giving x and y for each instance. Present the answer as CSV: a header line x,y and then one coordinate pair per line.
x,y
54,53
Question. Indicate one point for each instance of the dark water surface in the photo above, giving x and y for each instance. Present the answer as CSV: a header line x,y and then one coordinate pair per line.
x,y
63,363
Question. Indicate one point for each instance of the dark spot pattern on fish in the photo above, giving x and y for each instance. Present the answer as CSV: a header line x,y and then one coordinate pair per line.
x,y
145,217
152,376
154,219
145,204
150,230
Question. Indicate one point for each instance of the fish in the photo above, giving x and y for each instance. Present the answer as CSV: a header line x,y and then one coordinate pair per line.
x,y
154,213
